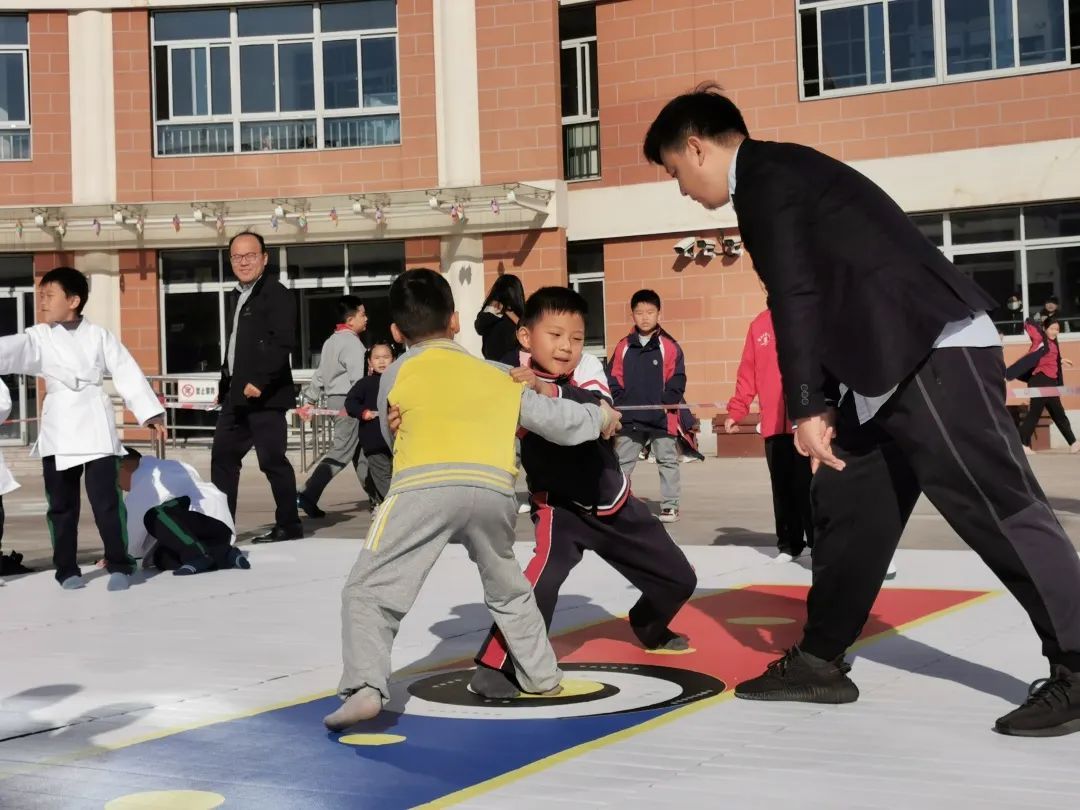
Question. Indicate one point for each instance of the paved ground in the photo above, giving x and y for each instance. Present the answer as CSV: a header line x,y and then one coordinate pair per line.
x,y
210,689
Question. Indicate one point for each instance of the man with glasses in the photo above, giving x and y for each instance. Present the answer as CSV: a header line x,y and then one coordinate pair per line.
x,y
257,386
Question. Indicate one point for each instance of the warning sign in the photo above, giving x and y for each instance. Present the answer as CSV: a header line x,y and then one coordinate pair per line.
x,y
202,392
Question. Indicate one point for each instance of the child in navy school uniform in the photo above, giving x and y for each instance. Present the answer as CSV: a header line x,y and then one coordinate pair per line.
x,y
361,403
581,499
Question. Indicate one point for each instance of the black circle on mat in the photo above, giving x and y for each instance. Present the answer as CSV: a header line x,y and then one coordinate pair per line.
x,y
451,688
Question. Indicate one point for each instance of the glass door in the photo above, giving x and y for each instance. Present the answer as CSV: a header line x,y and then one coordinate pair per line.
x,y
16,313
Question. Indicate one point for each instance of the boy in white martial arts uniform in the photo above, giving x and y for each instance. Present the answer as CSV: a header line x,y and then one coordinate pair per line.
x,y
78,424
175,520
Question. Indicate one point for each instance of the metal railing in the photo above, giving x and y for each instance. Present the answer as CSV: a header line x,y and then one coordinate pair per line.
x,y
15,145
257,136
367,130
194,139
581,150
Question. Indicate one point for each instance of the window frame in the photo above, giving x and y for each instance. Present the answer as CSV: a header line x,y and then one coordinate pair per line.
x,y
14,128
319,114
940,36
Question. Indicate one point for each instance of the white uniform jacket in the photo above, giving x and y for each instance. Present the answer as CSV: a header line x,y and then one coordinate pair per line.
x,y
78,423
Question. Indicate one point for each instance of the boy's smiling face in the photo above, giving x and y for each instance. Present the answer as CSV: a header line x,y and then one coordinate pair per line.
x,y
555,341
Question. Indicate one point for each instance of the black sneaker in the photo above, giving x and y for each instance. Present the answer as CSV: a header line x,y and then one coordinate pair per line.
x,y
1051,710
311,509
793,677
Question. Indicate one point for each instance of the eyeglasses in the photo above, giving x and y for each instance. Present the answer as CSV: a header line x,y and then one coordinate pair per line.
x,y
240,258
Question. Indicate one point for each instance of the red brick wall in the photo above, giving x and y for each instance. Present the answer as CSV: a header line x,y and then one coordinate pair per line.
x,y
652,50
141,177
538,258
707,306
518,70
139,304
422,252
45,179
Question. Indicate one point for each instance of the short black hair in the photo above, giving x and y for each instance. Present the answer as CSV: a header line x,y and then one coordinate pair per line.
x,y
705,112
71,281
421,303
553,301
347,306
130,453
248,232
381,341
645,297
1052,299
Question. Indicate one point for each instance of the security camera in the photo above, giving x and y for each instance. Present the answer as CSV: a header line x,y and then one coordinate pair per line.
x,y
685,247
732,247
707,247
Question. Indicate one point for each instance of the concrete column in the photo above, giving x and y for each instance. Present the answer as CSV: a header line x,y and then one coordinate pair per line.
x,y
457,131
93,121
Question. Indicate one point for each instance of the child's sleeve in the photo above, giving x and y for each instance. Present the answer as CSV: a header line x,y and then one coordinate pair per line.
x,y
615,372
675,384
560,421
354,400
745,389
382,401
20,354
129,379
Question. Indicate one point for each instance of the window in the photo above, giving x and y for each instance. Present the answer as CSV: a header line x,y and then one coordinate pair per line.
x,y
1032,252
196,311
14,87
580,94
585,266
265,78
854,45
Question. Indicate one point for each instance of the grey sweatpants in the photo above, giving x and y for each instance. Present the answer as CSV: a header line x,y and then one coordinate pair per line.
x,y
402,545
665,450
344,451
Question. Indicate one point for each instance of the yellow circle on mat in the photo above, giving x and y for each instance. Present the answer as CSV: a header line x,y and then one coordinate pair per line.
x,y
167,800
571,687
371,739
687,651
761,620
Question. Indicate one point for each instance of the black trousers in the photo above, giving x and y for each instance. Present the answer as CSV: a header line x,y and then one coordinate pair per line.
x,y
184,536
3,517
237,431
790,475
632,541
65,502
945,432
1051,404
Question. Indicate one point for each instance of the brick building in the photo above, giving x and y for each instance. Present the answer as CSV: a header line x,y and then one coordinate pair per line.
x,y
361,137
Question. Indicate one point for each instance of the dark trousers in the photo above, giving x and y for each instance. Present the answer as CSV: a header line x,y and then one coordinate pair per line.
x,y
237,431
2,519
945,432
1051,404
632,541
184,536
380,469
65,502
790,475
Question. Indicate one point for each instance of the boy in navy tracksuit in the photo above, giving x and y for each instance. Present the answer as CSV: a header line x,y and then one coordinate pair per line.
x,y
581,499
362,404
647,368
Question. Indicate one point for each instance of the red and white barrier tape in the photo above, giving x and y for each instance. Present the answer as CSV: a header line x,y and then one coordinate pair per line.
x,y
1049,391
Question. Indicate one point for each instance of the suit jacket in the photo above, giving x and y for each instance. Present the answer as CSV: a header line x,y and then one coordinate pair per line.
x,y
858,294
265,337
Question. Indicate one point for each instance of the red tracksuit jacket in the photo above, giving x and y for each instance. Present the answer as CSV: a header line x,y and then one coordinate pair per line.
x,y
759,375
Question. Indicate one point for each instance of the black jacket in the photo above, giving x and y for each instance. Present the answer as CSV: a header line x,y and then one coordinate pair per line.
x,y
364,396
498,333
858,294
265,337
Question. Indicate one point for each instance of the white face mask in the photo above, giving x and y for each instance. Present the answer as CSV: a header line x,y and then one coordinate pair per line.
x,y
1015,305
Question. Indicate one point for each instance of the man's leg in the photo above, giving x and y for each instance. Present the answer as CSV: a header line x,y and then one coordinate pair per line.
x,y
62,495
636,544
558,549
628,447
486,528
665,450
232,441
270,433
107,502
779,456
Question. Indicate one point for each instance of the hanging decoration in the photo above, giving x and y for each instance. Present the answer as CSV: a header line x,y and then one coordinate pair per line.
x,y
274,221
334,216
494,206
221,223
380,218
18,228
176,223
140,224
96,226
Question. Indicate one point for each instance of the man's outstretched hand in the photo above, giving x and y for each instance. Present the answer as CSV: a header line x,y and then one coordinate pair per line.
x,y
813,438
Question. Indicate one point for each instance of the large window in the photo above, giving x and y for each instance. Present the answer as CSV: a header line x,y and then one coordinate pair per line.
x,y
585,268
14,87
196,309
853,45
1029,254
580,94
260,78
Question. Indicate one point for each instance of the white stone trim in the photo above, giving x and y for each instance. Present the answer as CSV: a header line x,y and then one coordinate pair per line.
x,y
93,132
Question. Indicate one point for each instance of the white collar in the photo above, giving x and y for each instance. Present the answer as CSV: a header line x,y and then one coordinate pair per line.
x,y
731,170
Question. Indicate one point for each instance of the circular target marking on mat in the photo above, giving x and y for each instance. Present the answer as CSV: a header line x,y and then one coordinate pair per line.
x,y
168,800
761,621
371,739
623,688
687,651
571,688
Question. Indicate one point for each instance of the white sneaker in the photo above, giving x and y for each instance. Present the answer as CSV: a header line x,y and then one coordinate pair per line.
x,y
783,557
891,573
1028,451
524,509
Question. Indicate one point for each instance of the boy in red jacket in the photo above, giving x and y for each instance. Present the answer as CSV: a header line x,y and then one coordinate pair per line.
x,y
759,375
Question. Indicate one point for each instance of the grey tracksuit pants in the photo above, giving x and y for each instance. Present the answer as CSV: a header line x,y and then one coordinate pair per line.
x,y
344,451
403,543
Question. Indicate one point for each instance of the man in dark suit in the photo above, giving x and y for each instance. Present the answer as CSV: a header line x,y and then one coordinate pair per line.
x,y
894,374
257,386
